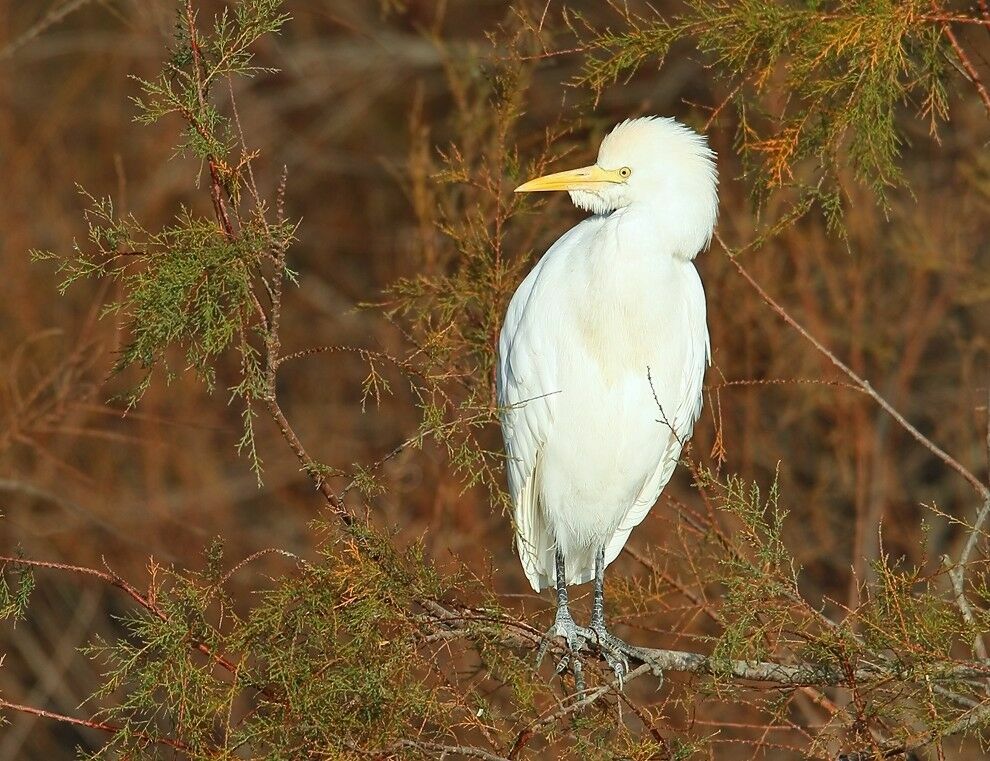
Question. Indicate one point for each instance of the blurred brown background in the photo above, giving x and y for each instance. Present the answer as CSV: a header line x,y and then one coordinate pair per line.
x,y
907,303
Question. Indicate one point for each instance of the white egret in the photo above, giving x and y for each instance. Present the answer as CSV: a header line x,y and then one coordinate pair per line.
x,y
601,361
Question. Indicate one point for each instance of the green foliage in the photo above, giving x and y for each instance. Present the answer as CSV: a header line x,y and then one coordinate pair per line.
x,y
757,571
362,650
14,598
196,286
905,612
904,624
186,285
328,658
197,63
846,67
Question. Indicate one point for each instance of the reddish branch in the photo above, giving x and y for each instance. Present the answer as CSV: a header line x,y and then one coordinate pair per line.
x,y
947,19
863,384
90,724
270,327
437,750
967,64
216,188
335,503
145,601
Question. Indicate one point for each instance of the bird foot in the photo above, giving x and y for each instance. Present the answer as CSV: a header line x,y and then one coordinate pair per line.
x,y
615,652
566,629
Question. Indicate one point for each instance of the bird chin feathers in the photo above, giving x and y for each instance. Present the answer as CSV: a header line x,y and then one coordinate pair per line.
x,y
596,203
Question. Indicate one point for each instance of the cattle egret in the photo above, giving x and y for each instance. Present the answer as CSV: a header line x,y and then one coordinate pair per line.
x,y
601,362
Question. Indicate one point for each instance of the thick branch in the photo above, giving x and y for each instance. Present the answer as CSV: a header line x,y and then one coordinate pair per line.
x,y
660,660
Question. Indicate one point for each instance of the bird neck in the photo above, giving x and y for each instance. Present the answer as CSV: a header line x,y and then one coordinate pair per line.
x,y
678,229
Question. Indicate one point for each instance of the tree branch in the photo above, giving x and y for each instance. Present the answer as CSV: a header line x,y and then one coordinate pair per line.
x,y
437,750
957,573
660,660
968,69
90,724
864,385
145,601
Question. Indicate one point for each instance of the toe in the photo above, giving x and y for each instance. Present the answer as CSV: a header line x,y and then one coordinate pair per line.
x,y
542,650
618,663
575,642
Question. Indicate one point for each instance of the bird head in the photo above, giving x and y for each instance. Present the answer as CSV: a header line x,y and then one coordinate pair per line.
x,y
653,165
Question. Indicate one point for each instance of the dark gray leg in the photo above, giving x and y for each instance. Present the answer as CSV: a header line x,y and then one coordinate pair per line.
x,y
564,626
598,605
612,648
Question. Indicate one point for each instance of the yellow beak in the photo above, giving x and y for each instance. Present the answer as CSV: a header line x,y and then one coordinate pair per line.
x,y
585,178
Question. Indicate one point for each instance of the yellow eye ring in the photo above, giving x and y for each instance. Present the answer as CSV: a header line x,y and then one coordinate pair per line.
x,y
624,172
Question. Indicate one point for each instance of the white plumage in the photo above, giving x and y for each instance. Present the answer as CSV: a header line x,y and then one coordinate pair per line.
x,y
604,348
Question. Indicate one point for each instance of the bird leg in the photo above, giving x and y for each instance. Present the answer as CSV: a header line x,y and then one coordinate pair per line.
x,y
613,649
564,627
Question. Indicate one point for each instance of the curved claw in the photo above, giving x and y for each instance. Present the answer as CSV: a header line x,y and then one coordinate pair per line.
x,y
612,649
619,664
565,628
544,646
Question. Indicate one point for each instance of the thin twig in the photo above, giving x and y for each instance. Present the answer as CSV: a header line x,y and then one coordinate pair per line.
x,y
335,503
438,750
957,573
967,65
49,19
863,384
90,724
783,382
944,19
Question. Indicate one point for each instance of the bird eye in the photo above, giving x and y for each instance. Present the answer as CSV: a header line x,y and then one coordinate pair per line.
x,y
625,172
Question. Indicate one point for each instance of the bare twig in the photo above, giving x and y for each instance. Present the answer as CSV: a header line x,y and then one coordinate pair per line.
x,y
436,750
575,704
967,65
957,573
942,18
90,724
334,502
51,18
957,577
783,382
863,384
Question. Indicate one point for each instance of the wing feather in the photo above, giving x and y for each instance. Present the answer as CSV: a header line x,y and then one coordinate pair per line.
x,y
525,394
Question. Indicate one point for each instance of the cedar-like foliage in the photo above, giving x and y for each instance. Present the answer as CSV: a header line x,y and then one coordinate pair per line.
x,y
846,66
367,648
